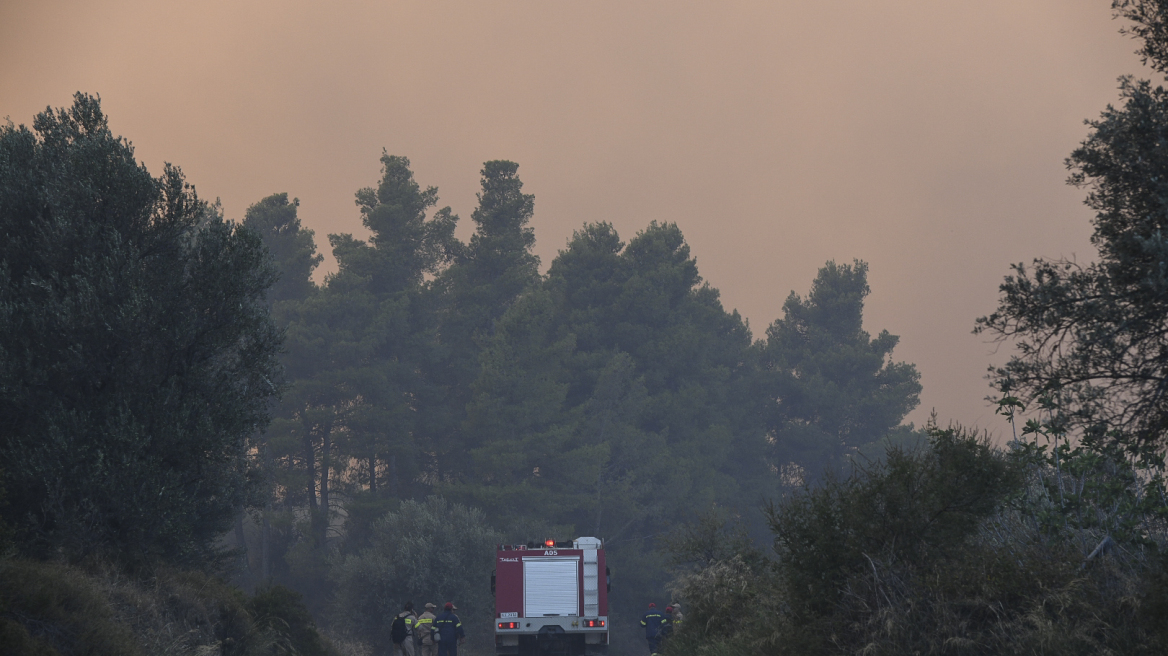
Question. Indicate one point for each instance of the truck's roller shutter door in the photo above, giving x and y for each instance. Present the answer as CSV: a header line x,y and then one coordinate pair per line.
x,y
550,587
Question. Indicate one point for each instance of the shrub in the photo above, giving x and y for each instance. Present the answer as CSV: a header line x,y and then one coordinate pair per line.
x,y
55,609
432,550
944,550
281,611
48,609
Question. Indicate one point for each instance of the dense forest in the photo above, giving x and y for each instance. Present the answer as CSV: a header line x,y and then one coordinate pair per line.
x,y
206,446
178,390
613,396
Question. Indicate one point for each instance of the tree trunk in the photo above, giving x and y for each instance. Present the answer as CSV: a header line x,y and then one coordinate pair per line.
x,y
241,542
310,463
265,545
393,475
373,474
325,462
265,528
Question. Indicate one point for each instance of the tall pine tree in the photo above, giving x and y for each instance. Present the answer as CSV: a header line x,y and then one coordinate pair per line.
x,y
833,387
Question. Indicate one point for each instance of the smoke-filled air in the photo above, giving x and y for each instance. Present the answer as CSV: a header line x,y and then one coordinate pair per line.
x,y
583,328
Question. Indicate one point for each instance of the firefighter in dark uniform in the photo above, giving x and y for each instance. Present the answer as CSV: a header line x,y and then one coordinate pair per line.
x,y
450,633
653,621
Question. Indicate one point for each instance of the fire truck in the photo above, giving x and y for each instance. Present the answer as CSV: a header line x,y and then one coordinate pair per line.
x,y
551,597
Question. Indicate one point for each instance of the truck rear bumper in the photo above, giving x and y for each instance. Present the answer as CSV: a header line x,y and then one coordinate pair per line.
x,y
533,625
552,640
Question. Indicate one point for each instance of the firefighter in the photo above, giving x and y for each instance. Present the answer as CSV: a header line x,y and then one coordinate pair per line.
x,y
667,627
401,631
677,616
424,630
652,620
449,631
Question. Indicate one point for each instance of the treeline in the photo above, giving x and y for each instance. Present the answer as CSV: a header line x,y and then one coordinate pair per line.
x,y
1055,543
176,390
612,396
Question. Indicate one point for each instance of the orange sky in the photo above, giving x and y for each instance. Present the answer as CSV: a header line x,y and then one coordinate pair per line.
x,y
926,137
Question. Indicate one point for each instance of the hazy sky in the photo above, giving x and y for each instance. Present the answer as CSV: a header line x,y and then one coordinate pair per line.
x,y
926,137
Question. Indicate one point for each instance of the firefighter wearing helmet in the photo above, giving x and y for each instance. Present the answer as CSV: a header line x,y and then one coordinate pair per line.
x,y
653,621
450,633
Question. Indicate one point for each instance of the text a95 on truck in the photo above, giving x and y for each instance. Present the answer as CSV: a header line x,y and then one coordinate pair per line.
x,y
551,597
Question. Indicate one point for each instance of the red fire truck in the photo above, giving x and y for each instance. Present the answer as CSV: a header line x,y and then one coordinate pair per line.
x,y
551,597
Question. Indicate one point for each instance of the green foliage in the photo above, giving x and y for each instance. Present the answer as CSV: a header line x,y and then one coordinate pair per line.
x,y
913,506
359,349
18,642
727,607
7,536
1093,333
486,278
615,398
904,437
290,246
431,550
1092,487
612,397
931,551
837,388
599,389
1153,607
714,536
53,608
362,510
137,351
47,609
281,611
1150,25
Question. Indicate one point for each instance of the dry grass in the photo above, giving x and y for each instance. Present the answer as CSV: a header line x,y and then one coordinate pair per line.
x,y
347,646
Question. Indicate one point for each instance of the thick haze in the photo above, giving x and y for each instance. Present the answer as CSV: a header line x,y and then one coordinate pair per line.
x,y
926,137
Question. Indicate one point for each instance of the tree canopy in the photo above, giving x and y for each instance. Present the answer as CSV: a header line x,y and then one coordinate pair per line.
x,y
137,352
837,388
1092,334
430,387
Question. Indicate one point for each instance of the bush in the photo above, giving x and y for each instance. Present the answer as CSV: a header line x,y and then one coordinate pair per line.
x,y
50,609
914,506
282,611
432,550
936,551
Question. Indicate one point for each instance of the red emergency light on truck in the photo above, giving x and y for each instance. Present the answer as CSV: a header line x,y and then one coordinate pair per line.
x,y
551,597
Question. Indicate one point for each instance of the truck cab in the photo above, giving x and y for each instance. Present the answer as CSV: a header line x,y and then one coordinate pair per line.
x,y
551,597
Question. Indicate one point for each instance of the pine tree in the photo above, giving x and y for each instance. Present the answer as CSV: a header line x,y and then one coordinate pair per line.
x,y
835,388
